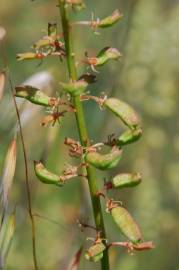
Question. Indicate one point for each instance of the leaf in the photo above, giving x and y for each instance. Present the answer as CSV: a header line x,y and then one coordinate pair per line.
x,y
2,83
8,173
6,236
75,260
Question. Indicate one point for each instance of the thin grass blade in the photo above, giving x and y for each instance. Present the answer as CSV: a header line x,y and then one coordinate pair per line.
x,y
6,236
2,84
75,260
8,173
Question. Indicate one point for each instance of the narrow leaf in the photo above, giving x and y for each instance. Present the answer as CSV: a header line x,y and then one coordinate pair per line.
x,y
75,260
8,173
6,236
2,83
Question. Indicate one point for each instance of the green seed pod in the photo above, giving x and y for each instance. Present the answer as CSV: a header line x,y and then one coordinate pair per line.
x,y
107,54
126,224
110,20
104,162
95,252
75,88
33,94
123,180
129,136
45,176
124,111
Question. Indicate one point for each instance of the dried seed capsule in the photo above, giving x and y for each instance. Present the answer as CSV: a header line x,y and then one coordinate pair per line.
x,y
33,94
104,162
46,41
45,176
124,111
129,136
126,224
110,20
123,180
95,252
75,88
29,56
107,54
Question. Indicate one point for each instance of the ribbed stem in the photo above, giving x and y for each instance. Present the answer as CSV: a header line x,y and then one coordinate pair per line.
x,y
91,174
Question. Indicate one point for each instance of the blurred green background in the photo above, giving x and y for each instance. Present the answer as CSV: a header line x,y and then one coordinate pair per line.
x,y
147,78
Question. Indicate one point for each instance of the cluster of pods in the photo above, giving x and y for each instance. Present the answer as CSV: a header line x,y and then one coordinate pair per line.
x,y
53,44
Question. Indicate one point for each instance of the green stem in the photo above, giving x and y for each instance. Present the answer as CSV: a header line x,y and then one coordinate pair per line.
x,y
91,173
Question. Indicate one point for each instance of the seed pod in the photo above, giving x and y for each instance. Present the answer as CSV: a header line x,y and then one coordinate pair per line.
x,y
47,41
126,224
126,180
124,111
33,94
107,54
29,56
75,88
95,252
110,20
104,162
129,136
45,176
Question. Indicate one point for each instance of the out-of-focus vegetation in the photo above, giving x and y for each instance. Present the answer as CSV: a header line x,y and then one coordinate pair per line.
x,y
146,78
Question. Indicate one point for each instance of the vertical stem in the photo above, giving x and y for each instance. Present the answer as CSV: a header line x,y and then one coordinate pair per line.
x,y
91,174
